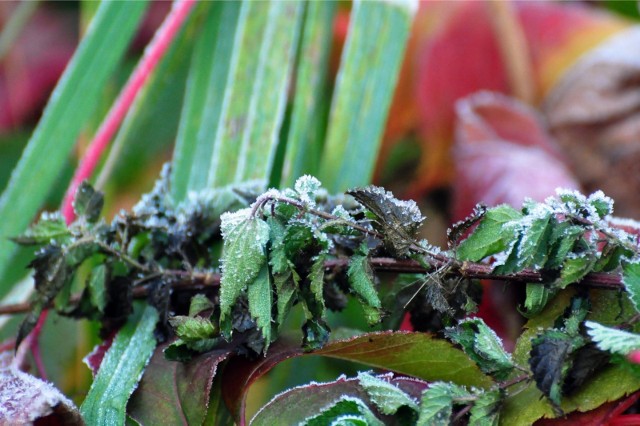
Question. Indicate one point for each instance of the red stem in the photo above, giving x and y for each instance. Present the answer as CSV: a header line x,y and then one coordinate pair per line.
x,y
152,55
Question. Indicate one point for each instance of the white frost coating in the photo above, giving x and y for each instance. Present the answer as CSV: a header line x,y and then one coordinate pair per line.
x,y
624,222
307,186
341,212
409,207
229,220
24,398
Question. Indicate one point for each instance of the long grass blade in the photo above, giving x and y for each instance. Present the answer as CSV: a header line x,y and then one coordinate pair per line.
x,y
309,115
69,107
371,59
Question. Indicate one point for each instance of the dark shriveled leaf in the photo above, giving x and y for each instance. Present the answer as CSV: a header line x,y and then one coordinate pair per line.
x,y
88,202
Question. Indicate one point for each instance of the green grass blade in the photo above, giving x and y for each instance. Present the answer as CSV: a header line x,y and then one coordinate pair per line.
x,y
256,92
308,117
368,73
203,100
152,121
120,371
69,107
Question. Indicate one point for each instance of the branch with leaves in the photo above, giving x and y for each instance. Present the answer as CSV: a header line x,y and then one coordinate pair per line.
x,y
304,248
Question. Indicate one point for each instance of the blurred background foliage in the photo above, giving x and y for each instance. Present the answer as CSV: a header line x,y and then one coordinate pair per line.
x,y
268,91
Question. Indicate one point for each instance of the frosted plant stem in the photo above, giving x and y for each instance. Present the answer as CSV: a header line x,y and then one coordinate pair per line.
x,y
152,55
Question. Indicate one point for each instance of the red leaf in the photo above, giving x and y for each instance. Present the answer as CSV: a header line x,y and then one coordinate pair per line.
x,y
176,393
95,357
414,354
503,155
25,399
607,413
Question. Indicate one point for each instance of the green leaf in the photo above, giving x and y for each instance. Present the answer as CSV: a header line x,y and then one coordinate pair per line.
x,y
575,268
370,63
256,91
286,289
345,411
537,297
97,286
277,255
199,303
309,112
387,397
493,234
613,340
532,249
631,281
562,240
483,346
486,409
243,255
361,282
49,227
260,303
120,371
316,286
88,202
192,329
437,403
63,119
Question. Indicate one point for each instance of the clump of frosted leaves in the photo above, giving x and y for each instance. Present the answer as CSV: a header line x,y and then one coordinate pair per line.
x,y
307,187
593,208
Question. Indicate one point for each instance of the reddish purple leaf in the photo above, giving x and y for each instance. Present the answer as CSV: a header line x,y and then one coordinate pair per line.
x,y
25,399
297,404
594,111
175,393
503,155
95,357
413,354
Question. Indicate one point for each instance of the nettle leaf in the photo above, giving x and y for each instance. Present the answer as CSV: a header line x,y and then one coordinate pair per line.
x,y
631,281
96,285
387,397
486,409
88,202
613,340
482,345
576,268
550,362
346,411
192,329
306,186
51,227
532,249
436,405
493,235
316,287
245,239
277,255
260,303
397,220
562,240
199,303
361,281
286,288
315,334
537,297
51,274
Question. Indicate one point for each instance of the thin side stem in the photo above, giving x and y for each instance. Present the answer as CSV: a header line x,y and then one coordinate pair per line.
x,y
513,48
152,55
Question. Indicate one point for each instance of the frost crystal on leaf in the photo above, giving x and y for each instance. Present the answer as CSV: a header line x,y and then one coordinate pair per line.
x,y
229,220
306,186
